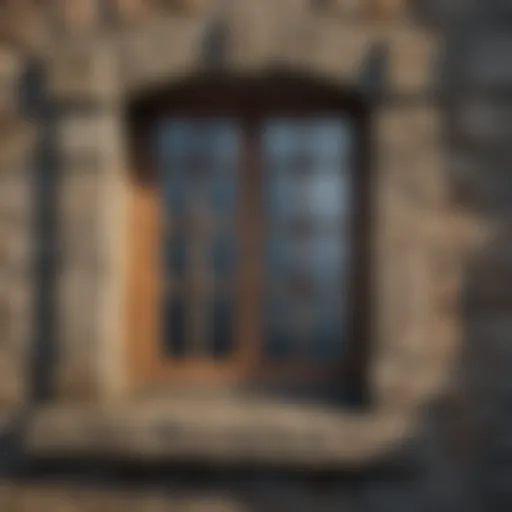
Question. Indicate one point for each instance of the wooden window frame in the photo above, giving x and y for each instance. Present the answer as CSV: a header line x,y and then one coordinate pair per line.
x,y
251,100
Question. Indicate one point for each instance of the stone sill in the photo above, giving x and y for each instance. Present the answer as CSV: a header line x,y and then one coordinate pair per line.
x,y
218,430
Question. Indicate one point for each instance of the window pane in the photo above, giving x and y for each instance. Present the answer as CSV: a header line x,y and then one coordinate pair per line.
x,y
278,140
329,139
223,256
175,192
326,195
223,195
328,331
278,256
307,205
198,169
175,251
279,342
222,325
174,326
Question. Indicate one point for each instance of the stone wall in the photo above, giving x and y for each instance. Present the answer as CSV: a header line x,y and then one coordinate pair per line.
x,y
90,79
461,456
478,92
16,240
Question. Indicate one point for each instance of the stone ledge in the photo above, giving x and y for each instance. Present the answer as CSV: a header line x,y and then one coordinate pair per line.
x,y
219,430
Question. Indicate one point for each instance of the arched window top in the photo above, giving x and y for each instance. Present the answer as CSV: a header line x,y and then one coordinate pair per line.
x,y
274,92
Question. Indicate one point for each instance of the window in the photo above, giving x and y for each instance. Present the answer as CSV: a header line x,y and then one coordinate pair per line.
x,y
248,236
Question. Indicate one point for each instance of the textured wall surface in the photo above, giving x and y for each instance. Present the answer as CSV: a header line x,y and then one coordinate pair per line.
x,y
446,237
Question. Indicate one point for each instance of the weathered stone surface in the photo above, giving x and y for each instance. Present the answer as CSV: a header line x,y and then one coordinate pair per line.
x,y
417,278
18,139
85,72
489,64
16,203
83,134
10,71
390,497
413,57
23,25
149,58
77,332
485,122
15,332
77,17
16,249
16,260
321,51
80,221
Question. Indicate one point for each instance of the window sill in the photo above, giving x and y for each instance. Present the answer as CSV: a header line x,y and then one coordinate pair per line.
x,y
218,430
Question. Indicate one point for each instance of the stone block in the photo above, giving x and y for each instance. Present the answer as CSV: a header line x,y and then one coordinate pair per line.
x,y
78,17
15,329
337,51
16,250
79,195
85,136
77,332
131,11
12,384
390,497
80,224
149,58
84,73
485,122
11,64
16,200
489,63
17,144
412,61
9,98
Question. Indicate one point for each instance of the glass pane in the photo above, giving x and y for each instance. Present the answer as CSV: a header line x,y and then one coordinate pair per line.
x,y
278,256
223,195
329,139
222,326
223,256
197,156
175,250
175,193
278,140
307,205
326,257
285,195
279,342
327,195
198,168
328,341
174,326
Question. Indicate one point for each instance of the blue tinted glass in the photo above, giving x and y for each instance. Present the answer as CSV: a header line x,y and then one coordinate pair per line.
x,y
175,250
174,326
223,193
328,336
223,256
326,195
329,139
279,341
312,261
283,196
195,154
278,256
197,164
278,140
222,326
